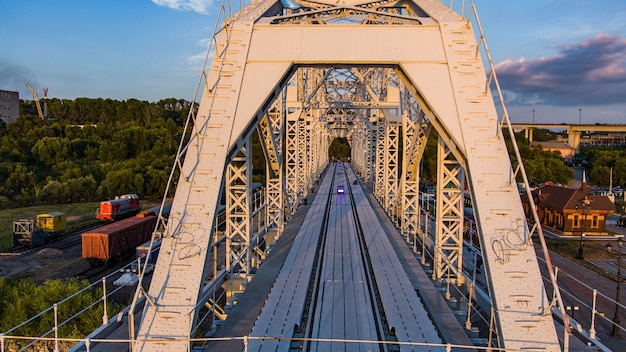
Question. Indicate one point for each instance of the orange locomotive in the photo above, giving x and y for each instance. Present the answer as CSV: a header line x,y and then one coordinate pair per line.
x,y
121,207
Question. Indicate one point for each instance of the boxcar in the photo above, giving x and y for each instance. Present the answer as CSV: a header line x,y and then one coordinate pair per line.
x,y
112,240
121,207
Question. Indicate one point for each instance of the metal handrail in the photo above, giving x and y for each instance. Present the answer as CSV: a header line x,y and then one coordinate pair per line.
x,y
88,342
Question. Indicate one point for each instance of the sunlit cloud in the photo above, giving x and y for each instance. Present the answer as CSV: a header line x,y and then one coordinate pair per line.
x,y
195,61
590,72
199,6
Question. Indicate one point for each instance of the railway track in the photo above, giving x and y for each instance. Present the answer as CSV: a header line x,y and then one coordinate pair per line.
x,y
65,241
326,274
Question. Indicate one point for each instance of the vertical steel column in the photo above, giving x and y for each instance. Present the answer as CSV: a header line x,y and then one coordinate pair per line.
x,y
271,133
391,169
357,151
309,154
291,170
409,186
238,210
448,256
320,150
370,159
415,130
379,176
303,174
313,154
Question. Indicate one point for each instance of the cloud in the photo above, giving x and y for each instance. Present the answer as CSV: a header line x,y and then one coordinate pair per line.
x,y
14,76
199,6
591,72
196,61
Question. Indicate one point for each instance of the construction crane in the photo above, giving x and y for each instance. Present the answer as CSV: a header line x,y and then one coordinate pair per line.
x,y
36,97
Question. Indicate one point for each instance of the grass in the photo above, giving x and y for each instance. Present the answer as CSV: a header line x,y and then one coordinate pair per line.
x,y
78,214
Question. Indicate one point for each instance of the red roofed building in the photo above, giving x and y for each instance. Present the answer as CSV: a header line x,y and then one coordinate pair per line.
x,y
570,211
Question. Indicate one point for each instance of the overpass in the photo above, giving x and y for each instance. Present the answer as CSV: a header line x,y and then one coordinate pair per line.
x,y
573,131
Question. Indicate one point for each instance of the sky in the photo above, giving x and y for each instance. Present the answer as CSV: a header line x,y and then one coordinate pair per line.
x,y
564,59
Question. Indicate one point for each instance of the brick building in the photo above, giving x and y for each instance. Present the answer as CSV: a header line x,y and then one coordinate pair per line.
x,y
570,211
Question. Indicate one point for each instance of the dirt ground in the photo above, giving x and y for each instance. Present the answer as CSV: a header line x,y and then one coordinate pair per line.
x,y
46,263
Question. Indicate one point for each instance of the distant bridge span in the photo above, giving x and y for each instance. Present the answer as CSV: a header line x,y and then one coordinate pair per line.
x,y
384,74
573,131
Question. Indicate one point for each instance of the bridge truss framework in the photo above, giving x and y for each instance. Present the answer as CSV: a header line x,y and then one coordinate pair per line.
x,y
384,75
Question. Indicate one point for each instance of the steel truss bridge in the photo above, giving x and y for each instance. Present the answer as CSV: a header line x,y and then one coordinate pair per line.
x,y
384,75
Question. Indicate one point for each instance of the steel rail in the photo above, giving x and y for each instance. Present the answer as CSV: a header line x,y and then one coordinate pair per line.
x,y
308,318
382,327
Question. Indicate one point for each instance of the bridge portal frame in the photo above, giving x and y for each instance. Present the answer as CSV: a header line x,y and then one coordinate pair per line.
x,y
449,71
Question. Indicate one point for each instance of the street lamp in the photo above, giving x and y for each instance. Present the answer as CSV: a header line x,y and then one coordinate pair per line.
x,y
586,207
616,320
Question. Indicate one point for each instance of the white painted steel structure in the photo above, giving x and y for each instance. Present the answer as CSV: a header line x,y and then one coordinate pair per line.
x,y
360,69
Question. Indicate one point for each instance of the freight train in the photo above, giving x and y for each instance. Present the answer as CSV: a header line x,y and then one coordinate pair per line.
x,y
34,233
119,208
101,245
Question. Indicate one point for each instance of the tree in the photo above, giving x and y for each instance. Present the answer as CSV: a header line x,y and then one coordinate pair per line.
x,y
21,181
121,182
51,150
339,149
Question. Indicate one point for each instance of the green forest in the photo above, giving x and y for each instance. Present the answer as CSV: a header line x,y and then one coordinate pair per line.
x,y
89,150
94,149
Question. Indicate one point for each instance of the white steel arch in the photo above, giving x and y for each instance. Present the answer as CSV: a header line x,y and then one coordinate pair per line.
x,y
433,51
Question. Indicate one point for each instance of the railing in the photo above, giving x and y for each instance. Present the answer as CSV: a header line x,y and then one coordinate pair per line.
x,y
589,311
246,339
7,338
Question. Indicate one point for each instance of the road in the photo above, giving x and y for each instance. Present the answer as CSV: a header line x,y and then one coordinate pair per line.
x,y
576,284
